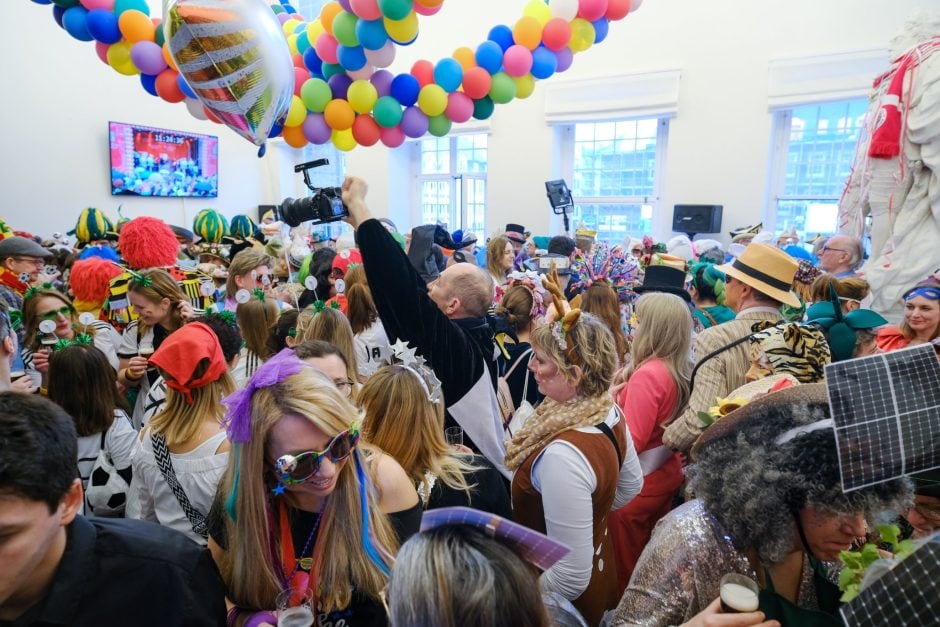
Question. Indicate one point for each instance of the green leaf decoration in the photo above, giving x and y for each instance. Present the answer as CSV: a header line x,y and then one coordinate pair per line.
x,y
228,317
258,293
706,418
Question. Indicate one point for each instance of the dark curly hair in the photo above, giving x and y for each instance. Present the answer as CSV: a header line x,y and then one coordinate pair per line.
x,y
755,487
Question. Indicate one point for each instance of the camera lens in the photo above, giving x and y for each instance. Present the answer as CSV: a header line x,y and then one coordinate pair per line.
x,y
293,212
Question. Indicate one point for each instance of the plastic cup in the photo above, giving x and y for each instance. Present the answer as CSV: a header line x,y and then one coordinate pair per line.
x,y
453,435
297,615
738,594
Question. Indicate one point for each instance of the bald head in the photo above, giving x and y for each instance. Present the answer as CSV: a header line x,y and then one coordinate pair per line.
x,y
463,290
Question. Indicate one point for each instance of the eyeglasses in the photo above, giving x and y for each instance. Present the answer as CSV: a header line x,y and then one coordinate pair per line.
x,y
36,261
826,249
65,312
294,469
344,385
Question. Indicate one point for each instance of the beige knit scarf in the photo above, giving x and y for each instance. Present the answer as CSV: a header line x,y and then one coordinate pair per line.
x,y
552,418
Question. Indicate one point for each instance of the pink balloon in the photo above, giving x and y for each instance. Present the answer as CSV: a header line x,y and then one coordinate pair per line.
x,y
101,49
366,9
363,74
326,47
382,57
592,9
392,137
420,9
459,107
517,60
107,5
148,57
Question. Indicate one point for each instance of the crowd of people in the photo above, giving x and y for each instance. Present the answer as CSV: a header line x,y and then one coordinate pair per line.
x,y
423,429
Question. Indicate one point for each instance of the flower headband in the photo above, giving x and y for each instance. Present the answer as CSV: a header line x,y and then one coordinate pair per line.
x,y
561,330
238,418
417,365
532,282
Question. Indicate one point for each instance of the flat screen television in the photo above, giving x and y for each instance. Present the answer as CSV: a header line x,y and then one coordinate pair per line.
x,y
149,161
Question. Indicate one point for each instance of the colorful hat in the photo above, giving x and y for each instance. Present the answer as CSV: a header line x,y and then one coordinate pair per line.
x,y
93,225
614,265
242,227
5,230
210,225
768,270
515,232
344,259
147,242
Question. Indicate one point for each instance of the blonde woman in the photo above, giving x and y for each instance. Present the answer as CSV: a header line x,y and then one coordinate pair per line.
x,y
162,308
656,390
305,509
573,459
372,345
402,420
321,322
499,260
182,453
256,318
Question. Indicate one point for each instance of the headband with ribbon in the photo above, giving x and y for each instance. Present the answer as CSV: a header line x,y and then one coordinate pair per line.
x,y
181,353
840,328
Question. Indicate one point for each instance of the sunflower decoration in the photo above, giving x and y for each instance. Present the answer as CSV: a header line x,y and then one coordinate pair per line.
x,y
723,407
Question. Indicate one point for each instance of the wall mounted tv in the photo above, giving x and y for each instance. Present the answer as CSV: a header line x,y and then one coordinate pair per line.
x,y
149,161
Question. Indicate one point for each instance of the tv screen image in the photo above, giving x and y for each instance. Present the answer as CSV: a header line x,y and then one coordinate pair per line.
x,y
148,161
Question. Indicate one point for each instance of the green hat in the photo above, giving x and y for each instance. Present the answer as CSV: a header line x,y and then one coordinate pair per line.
x,y
92,226
210,225
840,328
242,227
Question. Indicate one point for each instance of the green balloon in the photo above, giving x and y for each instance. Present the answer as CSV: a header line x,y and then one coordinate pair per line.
x,y
130,5
503,88
396,9
387,112
483,108
159,35
439,125
65,4
344,28
316,94
276,9
329,69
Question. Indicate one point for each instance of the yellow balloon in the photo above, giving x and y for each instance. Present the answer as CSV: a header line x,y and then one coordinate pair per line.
x,y
582,35
344,140
432,100
119,57
539,10
525,85
290,25
292,44
402,31
297,112
465,57
362,96
314,30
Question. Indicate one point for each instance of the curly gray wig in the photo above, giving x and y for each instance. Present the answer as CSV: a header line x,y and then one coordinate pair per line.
x,y
755,487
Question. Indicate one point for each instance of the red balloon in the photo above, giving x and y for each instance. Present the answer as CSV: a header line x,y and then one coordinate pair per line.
x,y
557,33
617,9
168,87
477,82
366,130
592,10
300,75
423,70
299,63
101,49
393,137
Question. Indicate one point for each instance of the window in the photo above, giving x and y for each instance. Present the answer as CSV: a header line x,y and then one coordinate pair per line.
x,y
452,182
814,149
310,9
614,173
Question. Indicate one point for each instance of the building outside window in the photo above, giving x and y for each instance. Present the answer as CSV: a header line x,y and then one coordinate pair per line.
x,y
452,182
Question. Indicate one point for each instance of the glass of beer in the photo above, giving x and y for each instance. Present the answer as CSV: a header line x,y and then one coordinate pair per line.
x,y
738,594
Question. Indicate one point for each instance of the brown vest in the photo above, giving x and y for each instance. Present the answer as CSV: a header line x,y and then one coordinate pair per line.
x,y
601,593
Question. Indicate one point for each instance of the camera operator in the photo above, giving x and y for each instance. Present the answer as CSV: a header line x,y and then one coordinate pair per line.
x,y
445,321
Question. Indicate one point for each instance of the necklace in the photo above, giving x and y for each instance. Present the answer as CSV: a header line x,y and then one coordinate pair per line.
x,y
297,581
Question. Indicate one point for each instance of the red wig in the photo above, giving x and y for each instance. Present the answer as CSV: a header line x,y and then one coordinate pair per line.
x,y
89,279
148,243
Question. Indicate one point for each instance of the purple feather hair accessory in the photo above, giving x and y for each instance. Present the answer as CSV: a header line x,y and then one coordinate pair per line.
x,y
272,372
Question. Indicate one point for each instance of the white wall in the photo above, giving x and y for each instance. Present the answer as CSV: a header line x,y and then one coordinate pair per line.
x,y
58,97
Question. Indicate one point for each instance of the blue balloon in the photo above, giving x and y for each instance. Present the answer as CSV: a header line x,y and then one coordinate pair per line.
x,y
544,62
75,23
351,58
313,61
601,28
149,81
502,35
303,42
103,26
131,5
275,130
43,1
489,56
448,73
57,14
184,86
405,89
371,34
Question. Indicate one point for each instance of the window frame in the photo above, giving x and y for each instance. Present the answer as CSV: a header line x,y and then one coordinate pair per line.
x,y
459,191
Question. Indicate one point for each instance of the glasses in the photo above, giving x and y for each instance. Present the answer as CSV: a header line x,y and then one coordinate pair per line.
x,y
294,469
36,261
827,249
65,312
344,385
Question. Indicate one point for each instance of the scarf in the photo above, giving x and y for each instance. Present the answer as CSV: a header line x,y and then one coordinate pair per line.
x,y
551,419
12,281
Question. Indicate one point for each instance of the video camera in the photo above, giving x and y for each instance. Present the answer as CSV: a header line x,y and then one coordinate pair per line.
x,y
326,204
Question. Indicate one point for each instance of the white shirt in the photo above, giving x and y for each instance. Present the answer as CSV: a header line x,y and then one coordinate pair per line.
x,y
118,442
372,349
569,481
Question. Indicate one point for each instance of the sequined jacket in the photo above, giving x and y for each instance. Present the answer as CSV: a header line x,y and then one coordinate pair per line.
x,y
678,574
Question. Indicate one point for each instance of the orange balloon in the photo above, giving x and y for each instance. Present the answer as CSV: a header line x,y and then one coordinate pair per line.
x,y
168,57
527,32
329,11
339,115
136,26
294,136
465,57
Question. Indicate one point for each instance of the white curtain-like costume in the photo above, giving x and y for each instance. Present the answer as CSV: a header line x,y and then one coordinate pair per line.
x,y
901,194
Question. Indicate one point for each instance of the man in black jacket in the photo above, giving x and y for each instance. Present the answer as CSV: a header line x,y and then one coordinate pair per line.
x,y
445,322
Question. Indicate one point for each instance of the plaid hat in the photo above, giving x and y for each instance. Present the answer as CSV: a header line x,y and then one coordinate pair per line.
x,y
183,351
20,246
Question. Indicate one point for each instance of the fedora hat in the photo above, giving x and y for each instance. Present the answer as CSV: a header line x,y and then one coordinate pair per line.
x,y
768,270
664,279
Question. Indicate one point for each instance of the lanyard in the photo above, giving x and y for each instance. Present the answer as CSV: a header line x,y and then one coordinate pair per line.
x,y
297,580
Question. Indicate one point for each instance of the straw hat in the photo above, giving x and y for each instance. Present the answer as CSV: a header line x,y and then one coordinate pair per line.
x,y
768,270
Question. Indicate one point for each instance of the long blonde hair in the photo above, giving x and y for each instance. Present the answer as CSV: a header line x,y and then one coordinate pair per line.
x,y
665,333
256,318
180,421
403,422
330,325
342,565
